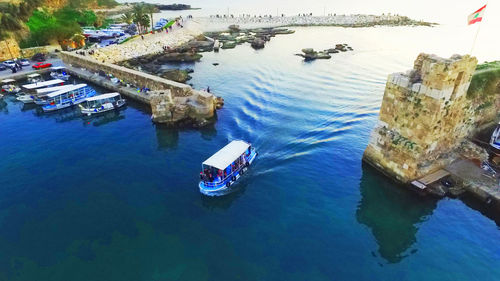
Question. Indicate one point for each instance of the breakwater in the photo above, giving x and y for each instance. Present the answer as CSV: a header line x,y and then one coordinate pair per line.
x,y
220,22
171,102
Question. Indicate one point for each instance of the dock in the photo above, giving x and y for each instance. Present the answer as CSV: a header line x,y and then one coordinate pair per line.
x,y
425,181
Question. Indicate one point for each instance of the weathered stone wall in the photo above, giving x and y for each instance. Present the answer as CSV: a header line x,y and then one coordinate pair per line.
x,y
139,79
9,49
170,102
424,115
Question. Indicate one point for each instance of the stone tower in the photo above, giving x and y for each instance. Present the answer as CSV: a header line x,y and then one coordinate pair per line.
x,y
423,117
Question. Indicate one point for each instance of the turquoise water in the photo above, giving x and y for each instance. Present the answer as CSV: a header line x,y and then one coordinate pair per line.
x,y
116,198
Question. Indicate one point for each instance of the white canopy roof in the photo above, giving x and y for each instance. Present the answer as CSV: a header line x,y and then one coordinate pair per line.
x,y
42,84
8,81
224,157
65,90
33,75
52,89
104,96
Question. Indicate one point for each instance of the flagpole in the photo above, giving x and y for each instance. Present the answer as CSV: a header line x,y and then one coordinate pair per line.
x,y
475,38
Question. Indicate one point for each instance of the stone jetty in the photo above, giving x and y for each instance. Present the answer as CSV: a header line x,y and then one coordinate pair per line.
x,y
221,22
426,119
172,103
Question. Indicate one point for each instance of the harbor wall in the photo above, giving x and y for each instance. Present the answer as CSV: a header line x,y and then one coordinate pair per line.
x,y
424,116
171,102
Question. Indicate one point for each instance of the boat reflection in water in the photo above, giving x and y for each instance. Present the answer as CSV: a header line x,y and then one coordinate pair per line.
x,y
102,119
392,213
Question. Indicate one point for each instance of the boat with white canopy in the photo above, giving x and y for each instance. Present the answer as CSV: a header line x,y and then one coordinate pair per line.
x,y
30,91
40,97
9,86
34,78
101,103
225,167
68,97
43,84
59,72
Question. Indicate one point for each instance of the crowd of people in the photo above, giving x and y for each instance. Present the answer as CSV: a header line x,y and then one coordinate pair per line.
x,y
214,175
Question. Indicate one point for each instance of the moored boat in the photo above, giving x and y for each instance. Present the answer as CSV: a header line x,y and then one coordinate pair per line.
x,y
221,171
29,94
9,86
68,97
40,96
495,140
101,103
34,78
59,72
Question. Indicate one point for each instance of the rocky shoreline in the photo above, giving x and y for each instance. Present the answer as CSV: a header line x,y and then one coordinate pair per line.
x,y
191,50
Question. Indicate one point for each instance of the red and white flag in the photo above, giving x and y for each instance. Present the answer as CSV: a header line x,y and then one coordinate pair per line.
x,y
477,16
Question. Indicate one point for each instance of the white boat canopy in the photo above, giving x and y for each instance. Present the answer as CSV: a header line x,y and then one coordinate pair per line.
x,y
34,75
58,67
64,91
42,84
224,157
104,96
8,81
51,89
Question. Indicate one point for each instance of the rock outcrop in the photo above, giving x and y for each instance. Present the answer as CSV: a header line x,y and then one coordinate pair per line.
x,y
310,54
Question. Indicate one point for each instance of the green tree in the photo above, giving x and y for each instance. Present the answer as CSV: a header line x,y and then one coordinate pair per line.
x,y
128,17
140,17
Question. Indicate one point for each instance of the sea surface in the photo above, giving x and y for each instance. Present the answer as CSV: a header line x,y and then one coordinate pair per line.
x,y
116,197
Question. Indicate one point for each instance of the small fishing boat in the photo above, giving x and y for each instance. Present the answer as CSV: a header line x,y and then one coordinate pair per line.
x,y
495,140
59,72
34,78
101,103
68,97
221,171
9,86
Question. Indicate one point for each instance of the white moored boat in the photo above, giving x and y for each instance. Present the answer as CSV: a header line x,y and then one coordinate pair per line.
x,y
68,97
59,72
495,140
225,167
9,86
30,90
40,97
34,78
101,103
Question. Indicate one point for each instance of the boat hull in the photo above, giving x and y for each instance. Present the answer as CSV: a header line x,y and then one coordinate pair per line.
x,y
25,99
227,187
105,108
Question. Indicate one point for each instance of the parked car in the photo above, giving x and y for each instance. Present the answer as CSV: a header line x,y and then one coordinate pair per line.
x,y
24,62
40,65
38,57
2,67
9,63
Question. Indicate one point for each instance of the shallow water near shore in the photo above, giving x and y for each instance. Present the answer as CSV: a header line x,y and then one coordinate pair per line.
x,y
116,197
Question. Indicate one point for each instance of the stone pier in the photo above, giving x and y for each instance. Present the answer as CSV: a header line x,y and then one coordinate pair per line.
x,y
171,102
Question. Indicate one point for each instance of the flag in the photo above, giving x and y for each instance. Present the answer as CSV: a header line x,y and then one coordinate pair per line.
x,y
477,16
